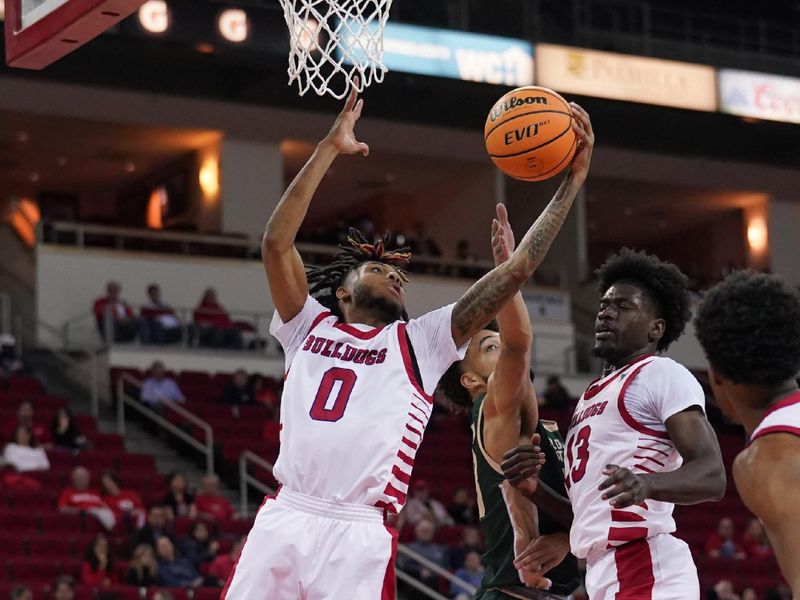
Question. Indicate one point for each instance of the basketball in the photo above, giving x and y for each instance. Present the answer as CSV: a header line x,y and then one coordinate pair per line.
x,y
529,134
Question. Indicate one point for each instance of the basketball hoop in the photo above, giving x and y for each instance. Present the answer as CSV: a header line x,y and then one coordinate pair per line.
x,y
335,44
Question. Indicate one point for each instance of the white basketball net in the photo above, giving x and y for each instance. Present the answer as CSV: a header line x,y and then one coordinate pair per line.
x,y
334,43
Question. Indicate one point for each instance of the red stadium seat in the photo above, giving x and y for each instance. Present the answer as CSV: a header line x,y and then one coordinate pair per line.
x,y
33,569
22,384
53,546
177,593
56,522
11,545
124,592
204,593
19,522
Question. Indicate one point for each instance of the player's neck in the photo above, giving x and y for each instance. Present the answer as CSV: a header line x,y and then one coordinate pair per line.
x,y
614,365
759,400
363,317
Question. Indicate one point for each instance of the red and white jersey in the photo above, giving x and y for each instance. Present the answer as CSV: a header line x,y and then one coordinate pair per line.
x,y
353,412
620,420
783,417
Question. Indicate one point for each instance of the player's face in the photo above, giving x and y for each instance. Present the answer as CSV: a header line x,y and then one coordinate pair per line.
x,y
626,323
482,353
379,288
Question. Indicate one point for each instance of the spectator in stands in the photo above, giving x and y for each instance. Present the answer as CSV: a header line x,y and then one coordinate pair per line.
x,y
755,542
23,453
555,395
424,546
127,505
163,595
111,310
10,362
21,592
98,566
143,568
64,588
264,392
79,498
179,499
198,546
471,572
215,327
222,566
464,254
25,418
174,570
210,502
65,432
462,507
723,590
421,506
422,244
471,541
236,391
721,544
157,526
157,387
160,324
749,594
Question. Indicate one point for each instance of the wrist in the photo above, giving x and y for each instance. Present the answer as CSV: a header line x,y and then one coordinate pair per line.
x,y
326,146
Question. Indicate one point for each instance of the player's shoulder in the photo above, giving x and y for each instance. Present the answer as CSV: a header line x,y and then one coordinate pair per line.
x,y
667,368
755,468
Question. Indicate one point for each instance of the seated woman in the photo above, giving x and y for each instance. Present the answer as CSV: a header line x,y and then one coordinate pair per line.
x,y
23,453
143,568
98,567
65,431
199,547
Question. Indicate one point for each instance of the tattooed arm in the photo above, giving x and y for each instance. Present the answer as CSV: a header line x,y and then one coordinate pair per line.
x,y
486,297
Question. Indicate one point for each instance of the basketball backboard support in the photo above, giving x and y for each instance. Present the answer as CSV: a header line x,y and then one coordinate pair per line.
x,y
39,32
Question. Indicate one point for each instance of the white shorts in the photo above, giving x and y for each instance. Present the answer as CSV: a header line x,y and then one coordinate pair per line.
x,y
656,568
305,548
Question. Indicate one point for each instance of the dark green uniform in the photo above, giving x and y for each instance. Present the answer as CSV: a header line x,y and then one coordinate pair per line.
x,y
509,521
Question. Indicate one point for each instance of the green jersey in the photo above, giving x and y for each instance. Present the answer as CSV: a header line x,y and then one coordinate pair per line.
x,y
510,521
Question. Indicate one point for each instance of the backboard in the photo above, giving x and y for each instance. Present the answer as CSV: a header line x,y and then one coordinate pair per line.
x,y
39,32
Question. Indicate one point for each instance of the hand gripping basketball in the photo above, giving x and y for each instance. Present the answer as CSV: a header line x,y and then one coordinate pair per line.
x,y
342,136
582,126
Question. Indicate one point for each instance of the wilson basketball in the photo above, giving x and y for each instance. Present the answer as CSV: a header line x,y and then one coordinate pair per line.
x,y
529,134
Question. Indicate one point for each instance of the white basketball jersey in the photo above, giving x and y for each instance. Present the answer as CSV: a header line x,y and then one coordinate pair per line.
x,y
783,417
353,412
620,420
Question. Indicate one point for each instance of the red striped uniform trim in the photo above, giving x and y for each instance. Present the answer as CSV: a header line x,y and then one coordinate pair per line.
x,y
654,450
635,571
416,418
626,416
643,468
623,516
395,493
775,429
658,462
411,429
402,339
409,443
626,534
389,578
662,442
595,389
318,319
405,458
790,400
404,477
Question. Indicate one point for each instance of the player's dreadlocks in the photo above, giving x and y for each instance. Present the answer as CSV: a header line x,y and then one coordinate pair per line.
x,y
663,282
324,281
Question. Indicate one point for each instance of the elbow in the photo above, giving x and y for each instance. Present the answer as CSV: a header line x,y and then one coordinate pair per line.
x,y
272,242
718,483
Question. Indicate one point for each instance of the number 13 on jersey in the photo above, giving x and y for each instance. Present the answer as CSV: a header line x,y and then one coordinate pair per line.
x,y
578,456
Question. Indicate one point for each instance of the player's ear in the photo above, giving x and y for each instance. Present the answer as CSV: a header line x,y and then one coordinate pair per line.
x,y
470,380
657,329
342,293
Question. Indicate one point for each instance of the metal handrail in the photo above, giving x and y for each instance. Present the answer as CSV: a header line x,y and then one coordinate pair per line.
x,y
246,479
403,549
123,399
418,585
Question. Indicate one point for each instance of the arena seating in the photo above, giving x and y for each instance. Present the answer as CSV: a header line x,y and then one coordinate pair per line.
x,y
37,543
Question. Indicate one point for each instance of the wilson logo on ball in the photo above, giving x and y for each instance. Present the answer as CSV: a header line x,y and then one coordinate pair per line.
x,y
500,109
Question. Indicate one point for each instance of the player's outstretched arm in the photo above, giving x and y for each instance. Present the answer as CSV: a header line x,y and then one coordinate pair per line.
x,y
701,477
767,477
510,384
285,272
481,303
